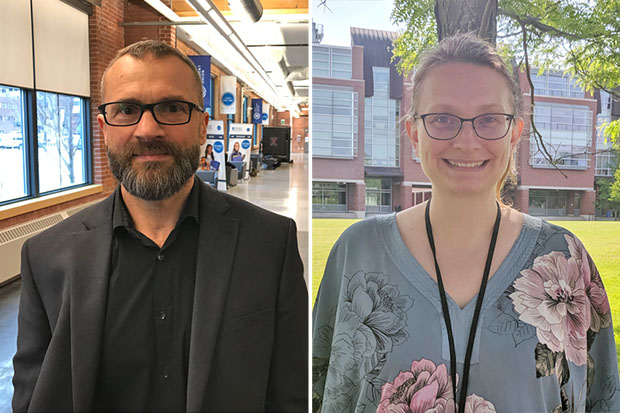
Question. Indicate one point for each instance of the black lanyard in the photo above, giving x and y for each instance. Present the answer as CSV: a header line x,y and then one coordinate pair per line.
x,y
446,314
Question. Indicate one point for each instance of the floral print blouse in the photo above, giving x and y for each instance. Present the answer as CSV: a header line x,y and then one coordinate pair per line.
x,y
544,342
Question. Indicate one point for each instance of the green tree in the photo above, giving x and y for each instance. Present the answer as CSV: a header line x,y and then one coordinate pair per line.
x,y
581,36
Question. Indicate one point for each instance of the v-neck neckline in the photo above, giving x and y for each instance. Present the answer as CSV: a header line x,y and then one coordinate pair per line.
x,y
415,273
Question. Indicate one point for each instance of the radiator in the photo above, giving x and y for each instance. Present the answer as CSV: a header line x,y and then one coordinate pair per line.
x,y
12,239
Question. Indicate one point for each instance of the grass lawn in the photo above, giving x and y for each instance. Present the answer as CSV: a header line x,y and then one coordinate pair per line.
x,y
601,238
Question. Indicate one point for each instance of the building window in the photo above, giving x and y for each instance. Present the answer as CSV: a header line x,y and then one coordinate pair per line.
x,y
547,202
60,141
334,122
331,61
245,109
329,197
381,123
13,185
567,133
606,155
555,83
378,195
209,109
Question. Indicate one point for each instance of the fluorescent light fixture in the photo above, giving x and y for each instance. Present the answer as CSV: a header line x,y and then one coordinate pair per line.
x,y
247,10
221,23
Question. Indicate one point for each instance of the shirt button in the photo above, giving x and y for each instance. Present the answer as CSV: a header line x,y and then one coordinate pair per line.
x,y
162,314
166,373
160,257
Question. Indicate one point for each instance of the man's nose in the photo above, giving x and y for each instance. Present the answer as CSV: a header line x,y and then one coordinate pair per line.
x,y
148,127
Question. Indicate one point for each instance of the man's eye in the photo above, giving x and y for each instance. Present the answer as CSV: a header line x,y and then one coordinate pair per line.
x,y
125,110
173,107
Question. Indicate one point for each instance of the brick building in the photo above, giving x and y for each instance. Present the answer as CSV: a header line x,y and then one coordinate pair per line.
x,y
364,163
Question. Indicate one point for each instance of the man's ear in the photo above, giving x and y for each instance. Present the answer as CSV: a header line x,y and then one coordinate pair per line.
x,y
203,128
102,127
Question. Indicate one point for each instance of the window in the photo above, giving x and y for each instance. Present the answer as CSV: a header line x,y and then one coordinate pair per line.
x,y
378,195
331,61
245,109
13,184
606,155
567,133
334,122
329,197
555,83
547,202
44,130
381,128
212,96
60,140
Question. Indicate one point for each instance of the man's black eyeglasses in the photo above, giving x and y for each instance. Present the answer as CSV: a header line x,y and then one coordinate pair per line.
x,y
444,126
170,112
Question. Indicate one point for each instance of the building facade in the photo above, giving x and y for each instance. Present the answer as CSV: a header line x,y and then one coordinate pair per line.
x,y
364,163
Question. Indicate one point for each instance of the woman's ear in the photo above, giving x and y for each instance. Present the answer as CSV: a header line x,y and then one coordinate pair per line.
x,y
412,132
517,130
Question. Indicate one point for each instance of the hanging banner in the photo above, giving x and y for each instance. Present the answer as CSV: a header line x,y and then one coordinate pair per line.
x,y
228,95
266,114
239,144
257,111
203,64
215,138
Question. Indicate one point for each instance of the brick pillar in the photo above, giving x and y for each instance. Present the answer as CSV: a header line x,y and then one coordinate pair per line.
x,y
588,202
522,199
106,38
357,199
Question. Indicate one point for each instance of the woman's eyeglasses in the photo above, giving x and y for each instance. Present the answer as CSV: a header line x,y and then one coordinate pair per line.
x,y
444,126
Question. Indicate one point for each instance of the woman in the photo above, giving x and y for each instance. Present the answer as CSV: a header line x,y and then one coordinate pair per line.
x,y
209,155
463,292
236,153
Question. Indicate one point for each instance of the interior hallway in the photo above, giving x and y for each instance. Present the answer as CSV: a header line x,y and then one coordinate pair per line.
x,y
283,190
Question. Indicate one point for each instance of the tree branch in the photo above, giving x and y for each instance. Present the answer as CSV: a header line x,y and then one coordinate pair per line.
x,y
538,138
536,23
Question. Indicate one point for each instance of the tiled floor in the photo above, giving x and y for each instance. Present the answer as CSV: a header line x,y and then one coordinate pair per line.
x,y
283,190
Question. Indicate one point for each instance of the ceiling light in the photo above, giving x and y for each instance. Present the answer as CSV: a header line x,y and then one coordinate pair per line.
x,y
247,10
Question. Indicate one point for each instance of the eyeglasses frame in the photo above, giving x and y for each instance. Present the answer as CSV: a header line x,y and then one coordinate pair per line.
x,y
150,107
463,120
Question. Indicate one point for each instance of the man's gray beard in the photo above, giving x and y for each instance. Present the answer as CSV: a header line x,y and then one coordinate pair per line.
x,y
154,181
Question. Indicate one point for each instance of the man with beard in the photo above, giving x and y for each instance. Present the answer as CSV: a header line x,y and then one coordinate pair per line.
x,y
167,295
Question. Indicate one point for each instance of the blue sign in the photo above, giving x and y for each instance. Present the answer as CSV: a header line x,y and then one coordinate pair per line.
x,y
228,99
219,127
203,64
265,116
257,110
218,147
245,144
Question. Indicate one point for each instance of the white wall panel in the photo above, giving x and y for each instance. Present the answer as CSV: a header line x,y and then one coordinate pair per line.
x,y
15,44
61,48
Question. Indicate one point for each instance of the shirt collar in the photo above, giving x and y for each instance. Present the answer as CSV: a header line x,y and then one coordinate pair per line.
x,y
122,218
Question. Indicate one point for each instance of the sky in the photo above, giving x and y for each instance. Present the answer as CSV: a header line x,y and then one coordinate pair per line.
x,y
370,14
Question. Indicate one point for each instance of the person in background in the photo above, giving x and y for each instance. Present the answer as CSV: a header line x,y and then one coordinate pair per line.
x,y
463,303
167,295
236,154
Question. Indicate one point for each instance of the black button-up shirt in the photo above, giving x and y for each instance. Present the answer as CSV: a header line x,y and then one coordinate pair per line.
x,y
145,348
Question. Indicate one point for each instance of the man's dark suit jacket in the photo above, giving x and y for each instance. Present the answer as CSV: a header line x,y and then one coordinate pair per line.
x,y
248,347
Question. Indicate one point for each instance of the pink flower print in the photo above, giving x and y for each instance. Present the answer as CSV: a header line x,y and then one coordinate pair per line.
x,y
476,404
425,388
551,296
599,305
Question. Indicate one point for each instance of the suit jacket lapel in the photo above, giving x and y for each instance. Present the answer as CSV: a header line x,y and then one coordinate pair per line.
x,y
88,298
217,241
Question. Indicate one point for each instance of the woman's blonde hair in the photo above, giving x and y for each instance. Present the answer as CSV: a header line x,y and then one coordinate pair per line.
x,y
469,48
